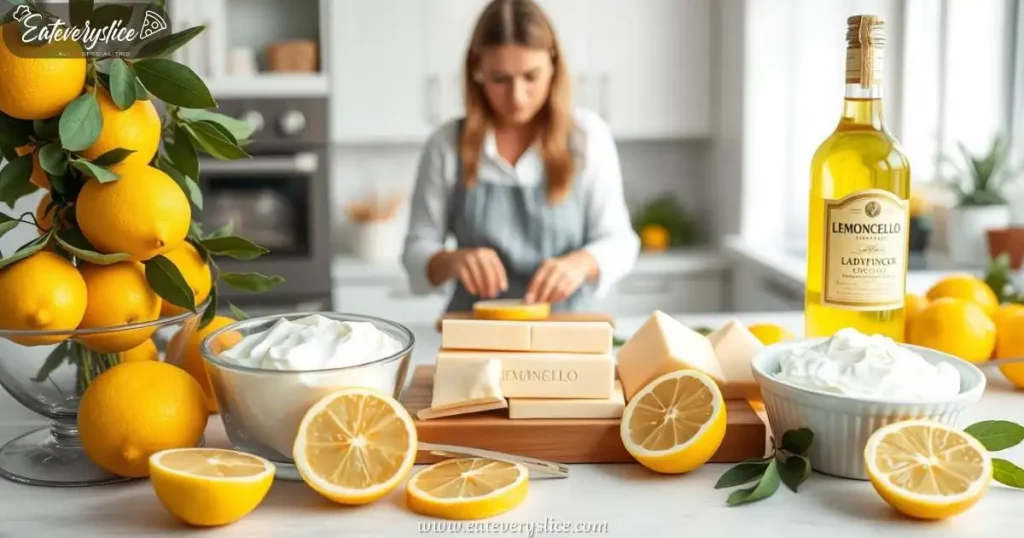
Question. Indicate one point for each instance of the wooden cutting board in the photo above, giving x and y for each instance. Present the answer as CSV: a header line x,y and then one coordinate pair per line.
x,y
555,316
560,440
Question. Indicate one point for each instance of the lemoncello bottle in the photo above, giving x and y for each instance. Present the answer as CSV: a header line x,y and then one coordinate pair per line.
x,y
858,237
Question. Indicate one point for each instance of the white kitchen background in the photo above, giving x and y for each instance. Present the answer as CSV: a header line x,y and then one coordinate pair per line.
x,y
719,102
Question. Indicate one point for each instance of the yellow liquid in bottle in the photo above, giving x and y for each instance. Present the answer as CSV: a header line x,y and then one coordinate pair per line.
x,y
860,155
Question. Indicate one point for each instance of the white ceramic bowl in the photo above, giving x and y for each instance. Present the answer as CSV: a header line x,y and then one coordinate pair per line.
x,y
842,424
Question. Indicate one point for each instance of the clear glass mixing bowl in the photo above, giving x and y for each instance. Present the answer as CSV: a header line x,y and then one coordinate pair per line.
x,y
261,409
47,372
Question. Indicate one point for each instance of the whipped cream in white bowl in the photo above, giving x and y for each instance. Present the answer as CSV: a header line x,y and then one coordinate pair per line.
x,y
845,387
283,364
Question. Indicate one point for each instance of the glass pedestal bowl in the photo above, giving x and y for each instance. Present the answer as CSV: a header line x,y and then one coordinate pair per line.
x,y
47,372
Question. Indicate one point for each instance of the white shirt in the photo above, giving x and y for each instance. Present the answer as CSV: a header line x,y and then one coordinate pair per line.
x,y
614,244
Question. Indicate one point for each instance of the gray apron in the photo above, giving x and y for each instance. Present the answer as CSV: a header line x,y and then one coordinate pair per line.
x,y
523,229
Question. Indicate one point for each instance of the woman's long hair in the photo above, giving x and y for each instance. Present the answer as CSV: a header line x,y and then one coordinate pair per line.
x,y
519,22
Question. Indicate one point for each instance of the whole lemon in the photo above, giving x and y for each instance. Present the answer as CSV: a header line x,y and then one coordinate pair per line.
x,y
146,351
37,84
770,333
955,326
966,287
136,409
137,128
196,272
183,349
42,292
654,237
914,304
120,296
1010,341
143,213
38,177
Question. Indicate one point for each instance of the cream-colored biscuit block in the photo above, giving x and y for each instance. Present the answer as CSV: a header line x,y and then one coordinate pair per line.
x,y
548,408
544,375
467,386
662,345
571,336
485,334
735,347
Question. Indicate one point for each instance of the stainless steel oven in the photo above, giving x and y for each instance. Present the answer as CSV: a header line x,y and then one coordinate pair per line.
x,y
278,199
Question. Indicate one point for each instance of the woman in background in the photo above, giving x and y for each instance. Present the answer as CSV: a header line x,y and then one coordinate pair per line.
x,y
530,188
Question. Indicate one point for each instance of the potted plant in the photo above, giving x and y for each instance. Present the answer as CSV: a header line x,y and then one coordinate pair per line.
x,y
978,182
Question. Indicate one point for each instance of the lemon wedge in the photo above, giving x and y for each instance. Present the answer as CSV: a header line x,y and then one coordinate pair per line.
x,y
467,488
927,470
510,309
676,423
209,486
355,445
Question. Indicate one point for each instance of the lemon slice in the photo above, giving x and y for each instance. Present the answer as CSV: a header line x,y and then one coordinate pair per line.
x,y
467,488
511,309
355,445
676,423
927,470
209,486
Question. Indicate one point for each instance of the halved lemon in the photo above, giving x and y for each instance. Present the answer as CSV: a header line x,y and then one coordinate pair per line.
x,y
467,488
676,423
510,309
927,470
355,445
209,486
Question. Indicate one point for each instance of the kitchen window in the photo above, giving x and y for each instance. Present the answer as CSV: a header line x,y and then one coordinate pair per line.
x,y
954,73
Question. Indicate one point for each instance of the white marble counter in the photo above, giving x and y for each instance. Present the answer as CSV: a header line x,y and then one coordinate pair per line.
x,y
629,500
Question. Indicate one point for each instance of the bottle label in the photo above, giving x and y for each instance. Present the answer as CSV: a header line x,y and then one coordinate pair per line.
x,y
866,244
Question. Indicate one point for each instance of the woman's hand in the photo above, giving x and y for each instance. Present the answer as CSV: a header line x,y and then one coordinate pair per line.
x,y
480,271
559,278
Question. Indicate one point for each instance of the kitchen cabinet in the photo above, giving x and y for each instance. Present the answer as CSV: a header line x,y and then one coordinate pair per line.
x,y
380,82
651,64
756,288
396,66
640,293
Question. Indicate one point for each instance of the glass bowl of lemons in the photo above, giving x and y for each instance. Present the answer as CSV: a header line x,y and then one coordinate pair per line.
x,y
48,372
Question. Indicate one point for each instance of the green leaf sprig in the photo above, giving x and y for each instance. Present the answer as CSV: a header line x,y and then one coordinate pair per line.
x,y
788,464
997,435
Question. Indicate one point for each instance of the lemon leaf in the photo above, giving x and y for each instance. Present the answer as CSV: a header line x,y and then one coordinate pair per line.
x,y
211,308
80,123
239,129
80,11
182,153
27,249
236,247
101,174
14,179
213,141
1007,473
122,84
794,470
996,435
797,441
237,312
223,231
166,45
53,160
46,129
112,157
742,473
7,223
766,487
174,83
74,242
251,282
166,280
13,132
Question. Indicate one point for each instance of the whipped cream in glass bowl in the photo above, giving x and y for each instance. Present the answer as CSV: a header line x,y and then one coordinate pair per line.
x,y
283,364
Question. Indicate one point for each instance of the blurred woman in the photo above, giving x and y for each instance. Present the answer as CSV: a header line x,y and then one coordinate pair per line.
x,y
530,188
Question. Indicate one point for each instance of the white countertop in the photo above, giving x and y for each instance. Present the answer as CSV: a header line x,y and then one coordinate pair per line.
x,y
633,502
791,265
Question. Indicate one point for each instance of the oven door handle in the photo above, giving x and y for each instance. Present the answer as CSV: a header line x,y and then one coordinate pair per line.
x,y
300,163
